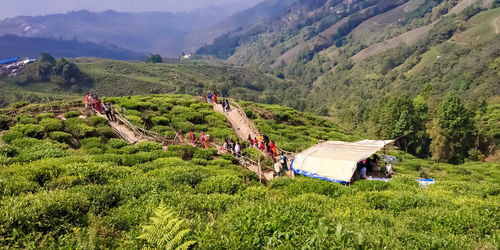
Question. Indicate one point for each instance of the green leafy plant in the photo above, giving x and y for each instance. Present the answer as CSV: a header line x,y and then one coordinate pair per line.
x,y
71,114
165,231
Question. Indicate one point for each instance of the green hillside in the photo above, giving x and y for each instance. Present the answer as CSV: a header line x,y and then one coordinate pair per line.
x,y
364,65
119,78
72,184
393,81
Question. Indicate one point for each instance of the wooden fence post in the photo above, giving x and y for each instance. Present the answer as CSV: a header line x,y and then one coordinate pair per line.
x,y
260,172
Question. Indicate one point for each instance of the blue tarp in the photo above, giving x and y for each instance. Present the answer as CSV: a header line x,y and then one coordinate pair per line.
x,y
10,60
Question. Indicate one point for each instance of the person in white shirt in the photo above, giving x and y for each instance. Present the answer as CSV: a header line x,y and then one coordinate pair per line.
x,y
237,149
277,167
388,169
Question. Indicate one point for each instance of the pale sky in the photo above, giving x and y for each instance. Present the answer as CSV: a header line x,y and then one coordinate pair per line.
x,y
12,8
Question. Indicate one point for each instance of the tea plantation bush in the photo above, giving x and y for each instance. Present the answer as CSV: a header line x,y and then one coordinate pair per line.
x,y
51,124
168,115
292,130
70,188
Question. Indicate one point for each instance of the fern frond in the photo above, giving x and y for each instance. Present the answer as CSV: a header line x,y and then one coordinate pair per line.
x,y
186,245
165,230
177,239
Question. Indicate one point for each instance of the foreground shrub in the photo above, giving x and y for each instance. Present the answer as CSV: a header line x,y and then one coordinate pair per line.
x,y
165,131
271,224
303,185
160,120
115,143
403,183
367,185
42,150
43,211
225,184
91,172
11,136
206,154
148,146
25,119
42,116
5,121
78,128
71,114
8,151
51,124
60,136
137,158
104,131
96,120
186,152
30,130
135,120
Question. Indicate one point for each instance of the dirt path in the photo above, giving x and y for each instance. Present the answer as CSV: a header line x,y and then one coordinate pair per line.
x,y
124,132
244,127
241,124
495,24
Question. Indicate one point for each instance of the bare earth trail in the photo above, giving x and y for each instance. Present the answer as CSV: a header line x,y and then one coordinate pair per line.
x,y
243,127
235,116
239,121
123,131
496,24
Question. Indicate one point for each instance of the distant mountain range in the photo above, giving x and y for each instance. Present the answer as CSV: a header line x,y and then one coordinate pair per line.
x,y
145,32
12,45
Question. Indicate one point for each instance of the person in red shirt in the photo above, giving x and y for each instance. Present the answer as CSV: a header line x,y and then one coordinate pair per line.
x,y
215,99
98,106
87,99
272,148
203,140
191,135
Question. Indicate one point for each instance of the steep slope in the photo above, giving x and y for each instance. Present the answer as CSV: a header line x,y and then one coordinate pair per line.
x,y
244,19
301,25
411,37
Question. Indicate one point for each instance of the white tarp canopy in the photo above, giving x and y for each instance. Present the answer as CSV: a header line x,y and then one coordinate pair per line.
x,y
335,160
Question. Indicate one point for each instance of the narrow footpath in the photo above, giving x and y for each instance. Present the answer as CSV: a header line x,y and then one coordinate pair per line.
x,y
123,131
239,121
133,135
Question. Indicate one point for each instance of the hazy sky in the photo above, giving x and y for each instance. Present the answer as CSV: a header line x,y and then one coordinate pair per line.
x,y
12,8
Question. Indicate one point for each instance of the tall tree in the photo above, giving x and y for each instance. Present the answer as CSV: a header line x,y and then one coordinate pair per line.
x,y
154,58
395,117
458,126
44,66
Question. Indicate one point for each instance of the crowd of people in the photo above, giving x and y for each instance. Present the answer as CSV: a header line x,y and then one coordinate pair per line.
x,y
372,165
212,98
93,102
263,144
281,165
232,147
